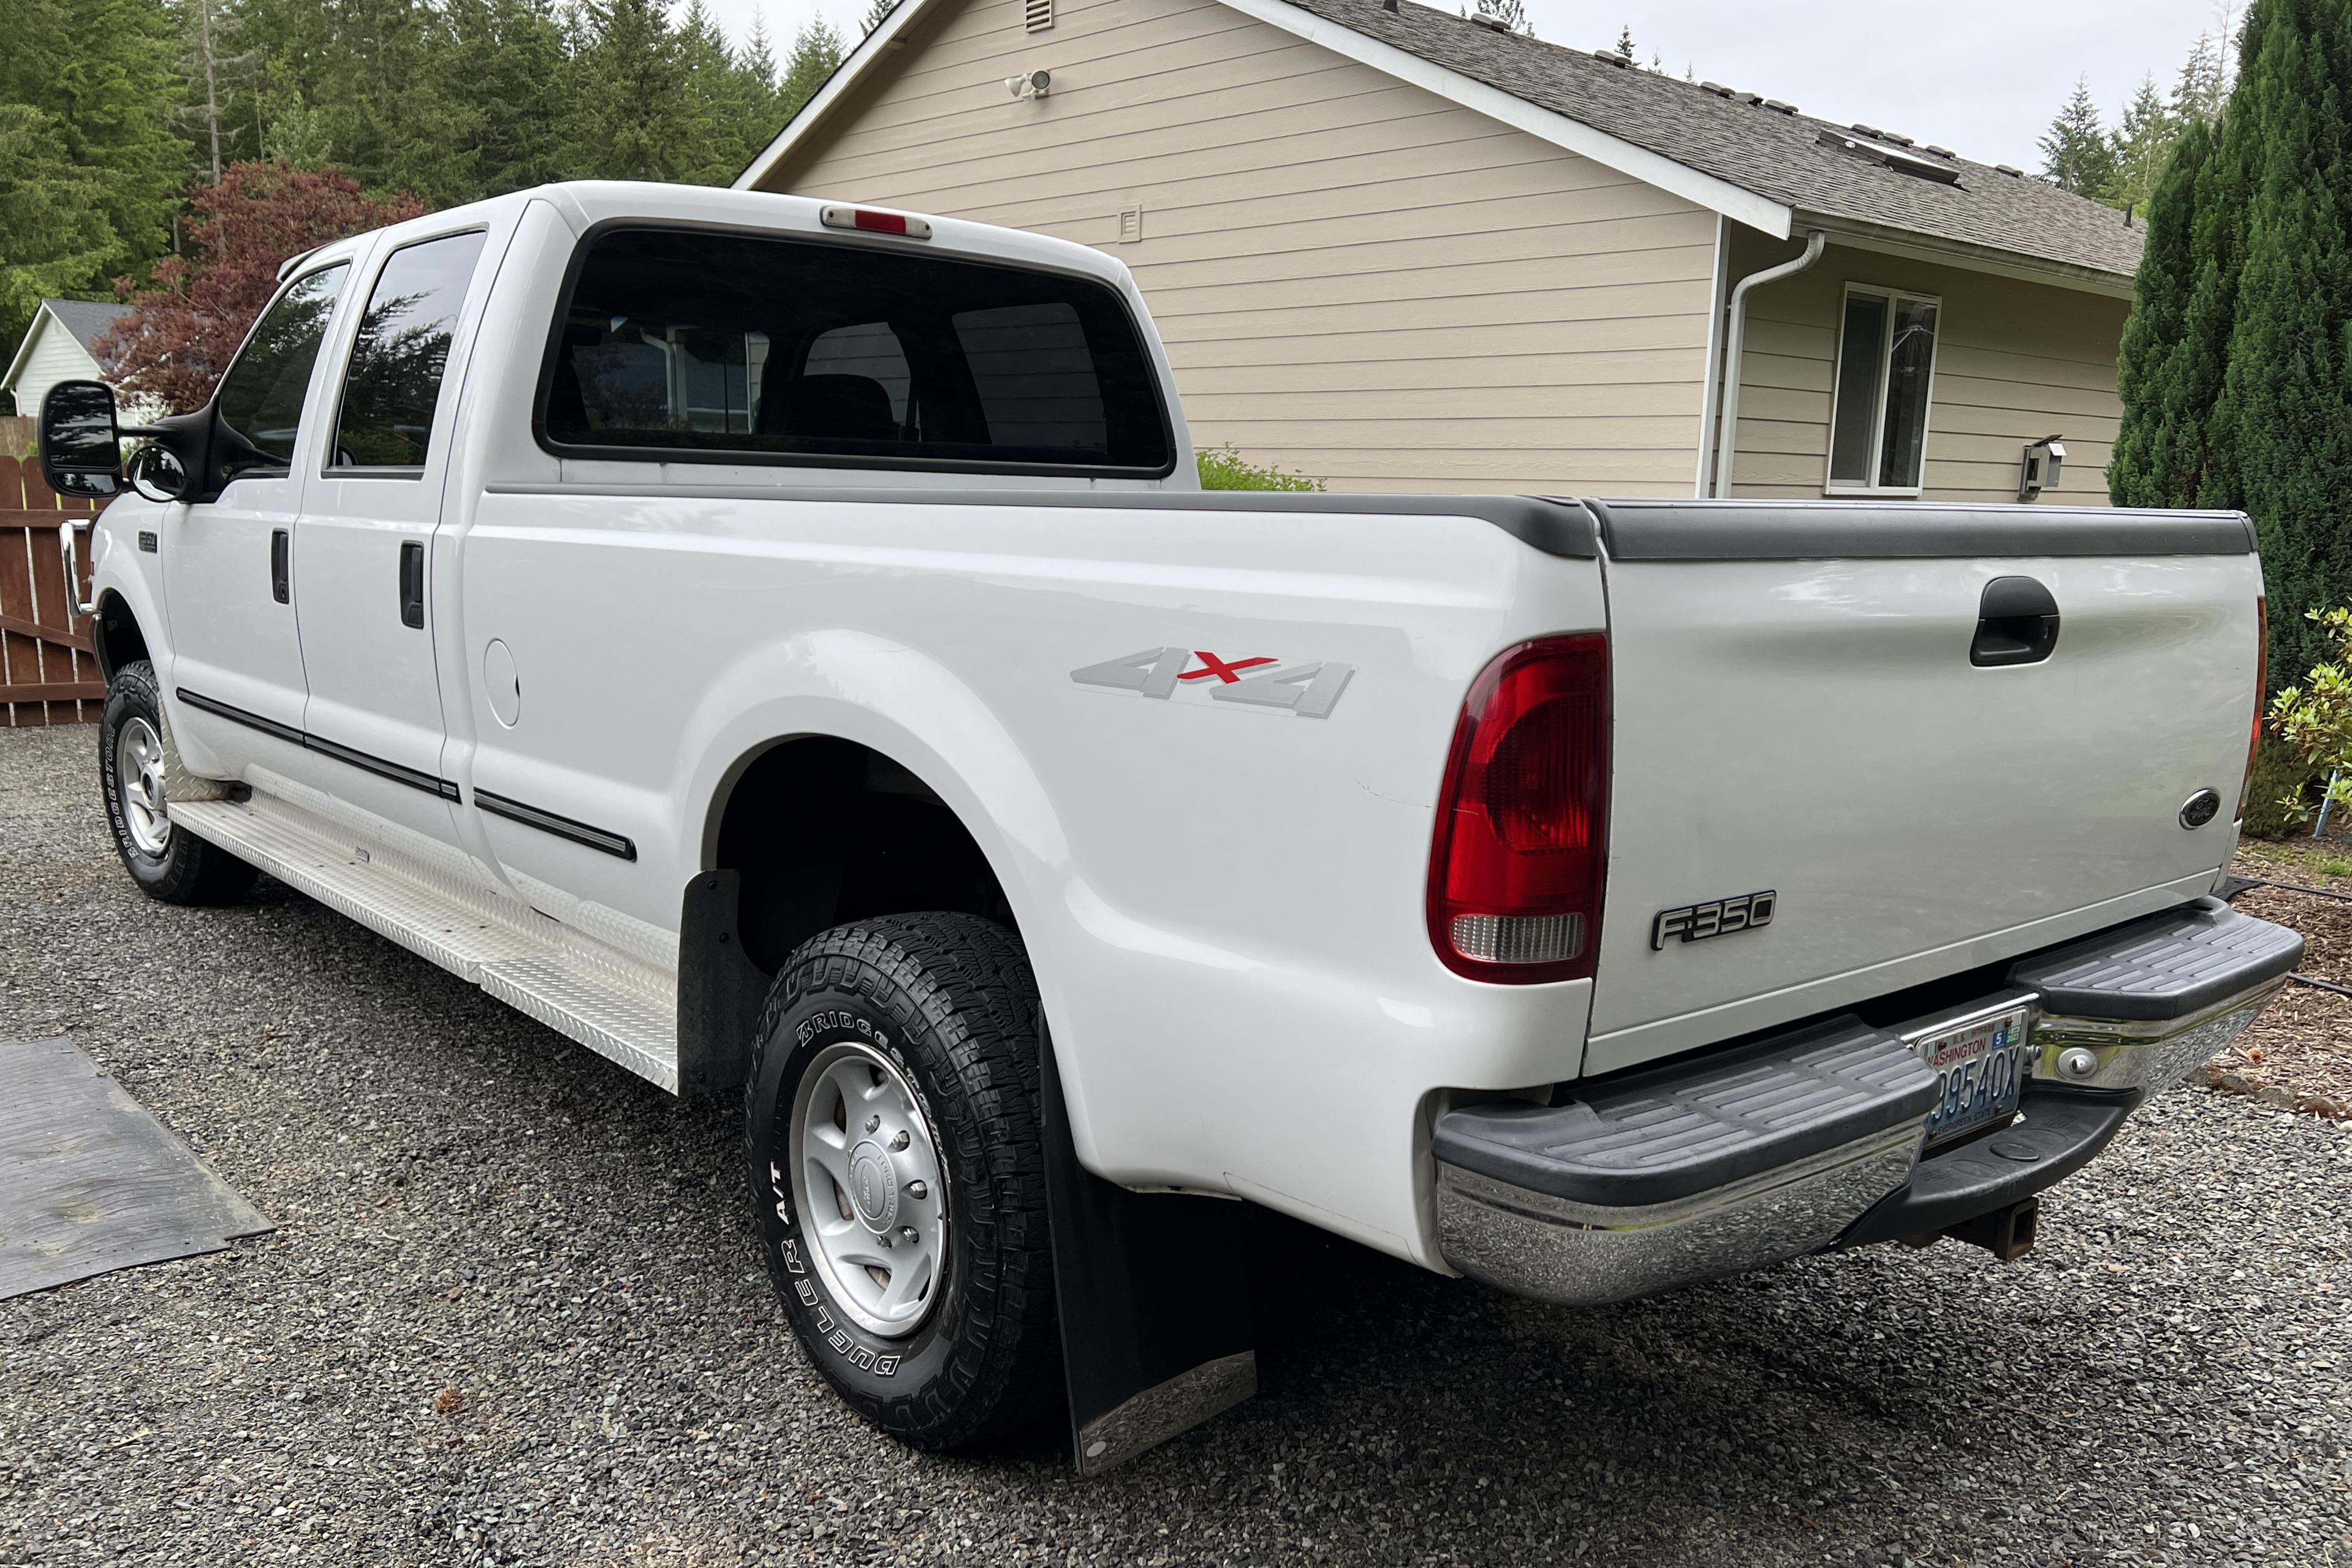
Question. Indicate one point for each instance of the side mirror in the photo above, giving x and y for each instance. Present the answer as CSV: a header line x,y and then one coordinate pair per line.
x,y
81,449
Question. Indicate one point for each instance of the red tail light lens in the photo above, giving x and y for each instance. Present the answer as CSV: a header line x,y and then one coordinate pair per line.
x,y
2261,693
1515,872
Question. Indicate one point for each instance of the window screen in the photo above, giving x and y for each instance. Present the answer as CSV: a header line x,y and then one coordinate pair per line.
x,y
260,399
726,345
394,381
1886,359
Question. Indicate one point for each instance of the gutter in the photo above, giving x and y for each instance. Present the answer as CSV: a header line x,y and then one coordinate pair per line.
x,y
1727,444
1918,246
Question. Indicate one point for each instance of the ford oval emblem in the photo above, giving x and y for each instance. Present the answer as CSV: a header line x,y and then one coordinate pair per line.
x,y
2200,808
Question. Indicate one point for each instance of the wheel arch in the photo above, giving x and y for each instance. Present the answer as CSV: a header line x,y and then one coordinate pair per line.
x,y
116,636
829,810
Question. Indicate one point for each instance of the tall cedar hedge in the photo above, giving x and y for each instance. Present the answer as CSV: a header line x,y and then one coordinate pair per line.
x,y
2236,372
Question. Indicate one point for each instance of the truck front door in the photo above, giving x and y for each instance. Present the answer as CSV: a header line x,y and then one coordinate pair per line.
x,y
236,657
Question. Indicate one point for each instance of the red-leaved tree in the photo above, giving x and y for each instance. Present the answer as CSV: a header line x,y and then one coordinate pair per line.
x,y
180,338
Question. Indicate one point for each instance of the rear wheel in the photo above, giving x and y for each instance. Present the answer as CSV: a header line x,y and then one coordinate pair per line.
x,y
896,1159
136,764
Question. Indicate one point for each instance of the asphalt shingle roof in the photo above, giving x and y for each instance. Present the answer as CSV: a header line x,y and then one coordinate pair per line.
x,y
1761,149
85,320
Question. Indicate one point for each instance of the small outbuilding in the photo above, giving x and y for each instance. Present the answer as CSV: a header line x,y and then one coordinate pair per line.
x,y
1398,248
59,346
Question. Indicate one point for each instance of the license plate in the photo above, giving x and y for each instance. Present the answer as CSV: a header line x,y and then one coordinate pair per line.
x,y
1979,1071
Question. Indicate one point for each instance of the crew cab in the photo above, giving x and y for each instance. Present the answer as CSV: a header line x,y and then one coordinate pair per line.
x,y
783,646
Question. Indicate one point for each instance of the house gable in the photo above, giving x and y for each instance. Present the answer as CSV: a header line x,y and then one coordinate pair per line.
x,y
1355,276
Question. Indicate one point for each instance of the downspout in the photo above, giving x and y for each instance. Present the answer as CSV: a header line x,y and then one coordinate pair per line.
x,y
1727,425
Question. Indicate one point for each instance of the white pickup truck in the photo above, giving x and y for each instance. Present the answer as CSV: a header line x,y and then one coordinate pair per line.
x,y
783,646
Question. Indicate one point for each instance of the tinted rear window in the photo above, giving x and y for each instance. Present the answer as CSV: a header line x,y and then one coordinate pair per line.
x,y
730,345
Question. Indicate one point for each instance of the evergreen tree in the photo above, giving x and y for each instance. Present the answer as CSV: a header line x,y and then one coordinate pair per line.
x,y
2237,373
2077,154
2142,144
876,14
816,54
2198,91
2286,408
505,74
1625,49
634,114
89,171
2159,452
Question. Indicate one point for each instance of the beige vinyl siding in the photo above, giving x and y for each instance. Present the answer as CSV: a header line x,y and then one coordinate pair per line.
x,y
2014,361
1354,278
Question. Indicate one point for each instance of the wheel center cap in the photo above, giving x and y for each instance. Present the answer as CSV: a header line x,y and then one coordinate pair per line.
x,y
874,1186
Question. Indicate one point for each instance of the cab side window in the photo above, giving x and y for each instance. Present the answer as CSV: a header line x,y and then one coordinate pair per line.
x,y
393,381
260,399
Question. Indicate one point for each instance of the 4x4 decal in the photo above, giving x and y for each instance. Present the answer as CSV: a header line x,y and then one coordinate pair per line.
x,y
1310,691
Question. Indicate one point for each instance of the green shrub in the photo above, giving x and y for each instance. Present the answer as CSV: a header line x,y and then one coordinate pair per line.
x,y
2281,777
2314,723
1225,468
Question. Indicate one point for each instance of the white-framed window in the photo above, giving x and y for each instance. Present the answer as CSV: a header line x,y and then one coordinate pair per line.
x,y
1886,373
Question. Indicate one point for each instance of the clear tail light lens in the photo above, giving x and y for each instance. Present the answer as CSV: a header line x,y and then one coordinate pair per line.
x,y
1515,870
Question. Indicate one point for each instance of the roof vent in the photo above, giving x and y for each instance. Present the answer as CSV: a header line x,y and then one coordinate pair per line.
x,y
1943,152
1870,130
1899,139
1750,99
1888,156
1715,88
2010,170
1494,24
1611,57
1777,106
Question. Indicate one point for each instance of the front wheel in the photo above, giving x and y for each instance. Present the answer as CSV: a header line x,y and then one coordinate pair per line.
x,y
135,767
897,1157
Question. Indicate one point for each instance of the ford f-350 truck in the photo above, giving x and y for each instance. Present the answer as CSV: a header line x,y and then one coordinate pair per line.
x,y
782,645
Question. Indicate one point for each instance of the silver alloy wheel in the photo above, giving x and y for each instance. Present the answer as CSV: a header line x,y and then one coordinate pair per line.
x,y
868,1189
138,780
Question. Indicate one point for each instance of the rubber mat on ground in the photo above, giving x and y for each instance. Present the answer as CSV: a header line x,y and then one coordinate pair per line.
x,y
90,1182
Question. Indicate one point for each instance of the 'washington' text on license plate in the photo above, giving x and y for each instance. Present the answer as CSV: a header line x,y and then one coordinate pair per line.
x,y
1979,1070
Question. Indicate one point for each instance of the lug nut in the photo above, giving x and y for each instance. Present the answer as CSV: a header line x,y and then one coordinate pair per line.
x,y
884,1239
902,1139
918,1191
909,1232
873,1124
2077,1062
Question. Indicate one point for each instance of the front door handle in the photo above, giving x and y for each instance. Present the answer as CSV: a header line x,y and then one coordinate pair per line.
x,y
2017,623
281,551
412,584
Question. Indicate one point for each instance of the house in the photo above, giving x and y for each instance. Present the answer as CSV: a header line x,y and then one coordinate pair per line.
x,y
1399,248
58,347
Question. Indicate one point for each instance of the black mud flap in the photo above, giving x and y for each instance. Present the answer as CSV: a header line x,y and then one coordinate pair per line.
x,y
720,991
1154,1303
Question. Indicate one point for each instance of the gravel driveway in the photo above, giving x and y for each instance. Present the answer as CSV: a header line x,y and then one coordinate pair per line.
x,y
513,1314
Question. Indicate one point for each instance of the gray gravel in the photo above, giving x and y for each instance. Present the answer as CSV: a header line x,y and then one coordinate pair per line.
x,y
475,1210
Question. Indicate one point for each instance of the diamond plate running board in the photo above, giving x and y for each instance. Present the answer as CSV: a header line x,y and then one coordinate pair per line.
x,y
615,1004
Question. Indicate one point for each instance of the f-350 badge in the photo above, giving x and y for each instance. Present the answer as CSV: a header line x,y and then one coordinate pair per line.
x,y
1310,691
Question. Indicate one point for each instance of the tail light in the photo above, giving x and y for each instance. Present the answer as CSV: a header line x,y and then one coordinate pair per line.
x,y
1515,872
2262,690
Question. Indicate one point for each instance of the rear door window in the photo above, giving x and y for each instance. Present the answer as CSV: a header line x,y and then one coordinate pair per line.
x,y
728,347
394,381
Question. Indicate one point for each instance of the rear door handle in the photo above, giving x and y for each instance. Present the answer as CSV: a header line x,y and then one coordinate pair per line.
x,y
281,551
2017,623
411,583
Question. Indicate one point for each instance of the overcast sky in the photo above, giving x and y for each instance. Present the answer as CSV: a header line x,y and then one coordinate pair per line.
x,y
1983,77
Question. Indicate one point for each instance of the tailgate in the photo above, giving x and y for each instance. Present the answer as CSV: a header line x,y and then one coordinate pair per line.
x,y
1796,710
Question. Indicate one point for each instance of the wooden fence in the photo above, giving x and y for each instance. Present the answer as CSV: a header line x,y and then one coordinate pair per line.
x,y
48,673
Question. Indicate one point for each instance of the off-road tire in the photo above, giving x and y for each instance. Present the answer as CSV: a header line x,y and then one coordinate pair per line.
x,y
949,1000
188,871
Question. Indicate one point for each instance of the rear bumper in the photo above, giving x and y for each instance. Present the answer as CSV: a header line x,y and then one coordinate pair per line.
x,y
1812,1140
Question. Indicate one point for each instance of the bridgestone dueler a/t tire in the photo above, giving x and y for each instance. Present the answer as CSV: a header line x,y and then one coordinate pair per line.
x,y
949,1000
189,871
